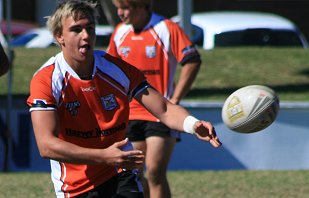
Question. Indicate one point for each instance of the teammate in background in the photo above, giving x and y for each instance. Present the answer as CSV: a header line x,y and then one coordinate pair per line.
x,y
155,45
79,104
4,61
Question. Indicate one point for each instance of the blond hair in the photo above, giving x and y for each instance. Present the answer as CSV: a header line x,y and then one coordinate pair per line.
x,y
77,9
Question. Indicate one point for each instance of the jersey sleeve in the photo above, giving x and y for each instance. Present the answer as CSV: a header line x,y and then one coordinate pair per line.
x,y
182,47
138,81
112,48
41,97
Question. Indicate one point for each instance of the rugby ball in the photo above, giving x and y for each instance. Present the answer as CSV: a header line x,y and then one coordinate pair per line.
x,y
250,109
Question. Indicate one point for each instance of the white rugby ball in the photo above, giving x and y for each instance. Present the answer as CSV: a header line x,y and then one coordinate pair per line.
x,y
250,109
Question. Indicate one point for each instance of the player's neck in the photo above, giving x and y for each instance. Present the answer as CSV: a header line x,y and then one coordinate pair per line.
x,y
83,69
142,22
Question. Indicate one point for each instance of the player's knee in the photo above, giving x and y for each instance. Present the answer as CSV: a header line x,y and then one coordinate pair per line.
x,y
156,177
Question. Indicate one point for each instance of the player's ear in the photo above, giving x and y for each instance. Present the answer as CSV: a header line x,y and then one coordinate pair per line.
x,y
60,39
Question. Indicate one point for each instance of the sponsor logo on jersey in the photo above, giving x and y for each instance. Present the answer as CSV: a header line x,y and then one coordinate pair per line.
x,y
109,102
72,107
137,38
86,89
151,51
124,51
94,133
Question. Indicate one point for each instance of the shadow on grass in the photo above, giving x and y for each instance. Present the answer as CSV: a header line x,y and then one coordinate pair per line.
x,y
304,72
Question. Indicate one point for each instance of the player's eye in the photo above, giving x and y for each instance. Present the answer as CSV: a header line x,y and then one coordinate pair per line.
x,y
76,29
90,29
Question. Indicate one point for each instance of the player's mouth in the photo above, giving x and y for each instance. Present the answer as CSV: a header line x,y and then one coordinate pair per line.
x,y
84,48
124,19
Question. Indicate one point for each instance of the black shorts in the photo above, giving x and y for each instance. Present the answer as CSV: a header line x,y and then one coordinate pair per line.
x,y
123,185
139,130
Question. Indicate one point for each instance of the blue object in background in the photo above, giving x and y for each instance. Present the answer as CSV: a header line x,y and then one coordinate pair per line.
x,y
281,146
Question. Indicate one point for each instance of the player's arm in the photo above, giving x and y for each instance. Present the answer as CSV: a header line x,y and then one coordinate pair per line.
x,y
176,117
188,56
187,76
46,127
112,48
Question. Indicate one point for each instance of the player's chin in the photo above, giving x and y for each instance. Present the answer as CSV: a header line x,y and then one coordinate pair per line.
x,y
125,20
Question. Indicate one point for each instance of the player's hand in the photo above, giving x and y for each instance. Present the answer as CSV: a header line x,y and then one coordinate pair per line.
x,y
114,156
206,132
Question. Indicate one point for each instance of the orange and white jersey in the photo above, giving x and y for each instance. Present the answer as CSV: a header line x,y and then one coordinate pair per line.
x,y
92,113
156,51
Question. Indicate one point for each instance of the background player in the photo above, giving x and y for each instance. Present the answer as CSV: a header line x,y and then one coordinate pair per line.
x,y
155,45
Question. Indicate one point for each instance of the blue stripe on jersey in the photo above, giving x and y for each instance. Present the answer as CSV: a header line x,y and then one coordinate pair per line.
x,y
154,20
141,87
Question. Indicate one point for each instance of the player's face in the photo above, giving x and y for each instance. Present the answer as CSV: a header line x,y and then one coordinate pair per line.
x,y
77,40
127,13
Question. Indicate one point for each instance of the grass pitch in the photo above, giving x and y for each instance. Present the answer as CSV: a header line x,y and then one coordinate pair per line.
x,y
185,184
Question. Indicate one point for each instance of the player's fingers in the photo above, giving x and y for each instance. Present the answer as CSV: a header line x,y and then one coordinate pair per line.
x,y
133,162
215,137
213,132
207,138
134,153
121,143
136,158
215,143
207,125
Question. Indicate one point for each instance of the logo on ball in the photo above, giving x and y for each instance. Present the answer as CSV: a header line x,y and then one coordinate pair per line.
x,y
250,109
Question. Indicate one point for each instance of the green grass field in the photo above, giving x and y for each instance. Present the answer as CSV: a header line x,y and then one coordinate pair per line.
x,y
286,70
184,184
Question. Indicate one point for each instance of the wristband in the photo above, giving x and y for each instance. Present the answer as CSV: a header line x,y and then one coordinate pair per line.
x,y
188,124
